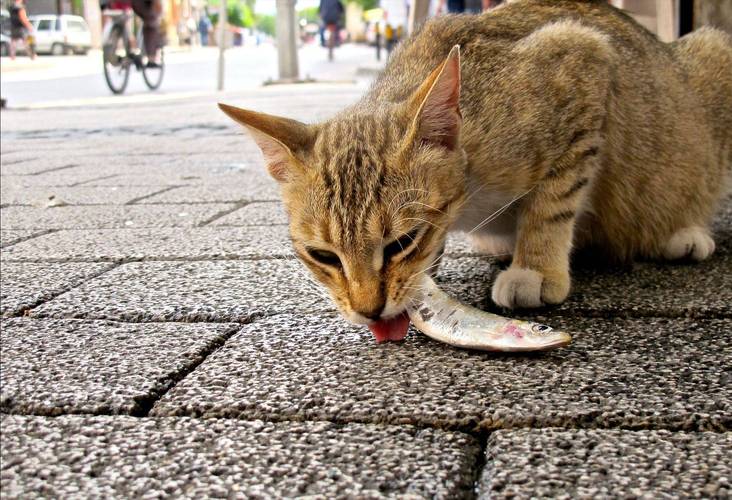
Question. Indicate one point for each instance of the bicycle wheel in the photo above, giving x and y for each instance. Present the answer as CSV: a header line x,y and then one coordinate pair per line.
x,y
153,76
116,62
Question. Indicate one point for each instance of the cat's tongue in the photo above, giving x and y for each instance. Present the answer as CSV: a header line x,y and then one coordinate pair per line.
x,y
391,329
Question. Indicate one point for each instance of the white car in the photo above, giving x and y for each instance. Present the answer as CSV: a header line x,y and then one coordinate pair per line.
x,y
61,34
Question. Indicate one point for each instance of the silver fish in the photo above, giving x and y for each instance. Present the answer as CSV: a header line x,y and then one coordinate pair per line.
x,y
444,319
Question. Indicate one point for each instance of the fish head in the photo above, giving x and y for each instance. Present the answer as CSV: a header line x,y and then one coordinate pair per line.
x,y
535,336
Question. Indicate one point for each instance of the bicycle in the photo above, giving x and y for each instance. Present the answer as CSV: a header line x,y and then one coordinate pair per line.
x,y
119,56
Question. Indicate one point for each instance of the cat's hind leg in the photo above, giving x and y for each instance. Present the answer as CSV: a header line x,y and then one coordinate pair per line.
x,y
692,242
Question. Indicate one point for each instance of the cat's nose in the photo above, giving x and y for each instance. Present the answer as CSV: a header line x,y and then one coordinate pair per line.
x,y
373,314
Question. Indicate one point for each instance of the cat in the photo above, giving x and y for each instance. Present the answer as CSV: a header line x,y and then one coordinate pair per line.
x,y
537,127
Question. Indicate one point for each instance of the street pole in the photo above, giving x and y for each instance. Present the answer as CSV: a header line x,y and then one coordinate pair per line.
x,y
222,42
287,40
418,13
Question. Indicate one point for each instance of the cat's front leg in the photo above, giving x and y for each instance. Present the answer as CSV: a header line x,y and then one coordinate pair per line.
x,y
539,273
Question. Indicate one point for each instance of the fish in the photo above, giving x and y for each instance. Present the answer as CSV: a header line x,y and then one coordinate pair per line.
x,y
447,320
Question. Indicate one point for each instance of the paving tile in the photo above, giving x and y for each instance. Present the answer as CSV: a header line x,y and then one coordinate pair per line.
x,y
722,227
554,463
52,367
630,373
239,170
12,236
24,284
155,244
652,289
34,163
646,289
254,189
81,195
65,177
192,291
458,244
125,457
255,214
220,291
105,217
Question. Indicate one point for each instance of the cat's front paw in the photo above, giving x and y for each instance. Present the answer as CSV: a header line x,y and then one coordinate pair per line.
x,y
523,288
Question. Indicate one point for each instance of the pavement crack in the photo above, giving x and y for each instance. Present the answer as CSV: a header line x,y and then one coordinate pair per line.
x,y
42,232
15,162
144,405
222,213
54,169
26,310
479,463
87,181
140,198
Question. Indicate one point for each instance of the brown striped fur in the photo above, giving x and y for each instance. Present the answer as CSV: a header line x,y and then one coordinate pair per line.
x,y
574,120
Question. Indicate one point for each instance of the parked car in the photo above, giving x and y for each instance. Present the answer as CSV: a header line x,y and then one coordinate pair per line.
x,y
4,45
4,32
61,34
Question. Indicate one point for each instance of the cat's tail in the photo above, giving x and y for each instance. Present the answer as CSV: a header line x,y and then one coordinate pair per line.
x,y
705,56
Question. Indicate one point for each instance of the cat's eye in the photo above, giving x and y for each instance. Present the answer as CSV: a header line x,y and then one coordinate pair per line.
x,y
324,257
400,245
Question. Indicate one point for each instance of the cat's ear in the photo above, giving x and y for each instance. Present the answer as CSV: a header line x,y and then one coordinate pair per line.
x,y
280,139
437,101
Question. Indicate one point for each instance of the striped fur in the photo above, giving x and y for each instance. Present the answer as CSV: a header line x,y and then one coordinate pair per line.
x,y
599,135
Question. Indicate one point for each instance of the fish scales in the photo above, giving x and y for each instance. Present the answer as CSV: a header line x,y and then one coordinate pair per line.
x,y
443,318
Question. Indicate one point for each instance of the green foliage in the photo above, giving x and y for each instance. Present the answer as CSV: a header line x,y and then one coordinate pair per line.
x,y
237,11
366,4
266,24
310,14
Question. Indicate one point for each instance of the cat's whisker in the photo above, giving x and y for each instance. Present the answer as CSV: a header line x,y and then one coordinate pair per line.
x,y
470,196
498,212
414,202
403,192
435,262
426,222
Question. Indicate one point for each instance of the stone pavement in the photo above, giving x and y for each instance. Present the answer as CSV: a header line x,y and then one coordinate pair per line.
x,y
158,339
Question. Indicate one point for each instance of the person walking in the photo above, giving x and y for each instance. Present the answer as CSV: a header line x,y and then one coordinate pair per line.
x,y
204,26
20,29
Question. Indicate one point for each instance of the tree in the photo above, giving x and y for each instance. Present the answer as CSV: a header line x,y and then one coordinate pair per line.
x,y
310,14
266,24
366,4
237,11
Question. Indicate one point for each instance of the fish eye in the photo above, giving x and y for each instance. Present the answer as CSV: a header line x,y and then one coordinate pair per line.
x,y
541,328
400,245
324,257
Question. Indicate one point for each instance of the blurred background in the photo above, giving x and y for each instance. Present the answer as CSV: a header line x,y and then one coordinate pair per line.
x,y
265,41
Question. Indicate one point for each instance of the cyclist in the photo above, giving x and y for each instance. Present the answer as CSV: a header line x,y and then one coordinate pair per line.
x,y
150,11
331,12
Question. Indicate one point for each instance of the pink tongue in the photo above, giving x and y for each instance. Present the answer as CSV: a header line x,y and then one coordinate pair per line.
x,y
391,329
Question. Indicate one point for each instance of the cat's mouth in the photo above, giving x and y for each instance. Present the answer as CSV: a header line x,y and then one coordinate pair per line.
x,y
394,328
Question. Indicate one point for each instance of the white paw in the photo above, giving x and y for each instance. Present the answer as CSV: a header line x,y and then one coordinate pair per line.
x,y
691,242
517,287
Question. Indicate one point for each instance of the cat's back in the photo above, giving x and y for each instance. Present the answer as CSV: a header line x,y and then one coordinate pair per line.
x,y
488,40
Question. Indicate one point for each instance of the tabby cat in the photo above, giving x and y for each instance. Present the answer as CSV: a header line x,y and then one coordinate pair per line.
x,y
539,126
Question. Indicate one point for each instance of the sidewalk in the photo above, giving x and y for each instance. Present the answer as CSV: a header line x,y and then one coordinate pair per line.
x,y
159,339
78,80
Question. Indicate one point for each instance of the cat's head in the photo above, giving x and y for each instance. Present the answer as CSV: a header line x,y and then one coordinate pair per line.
x,y
370,193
